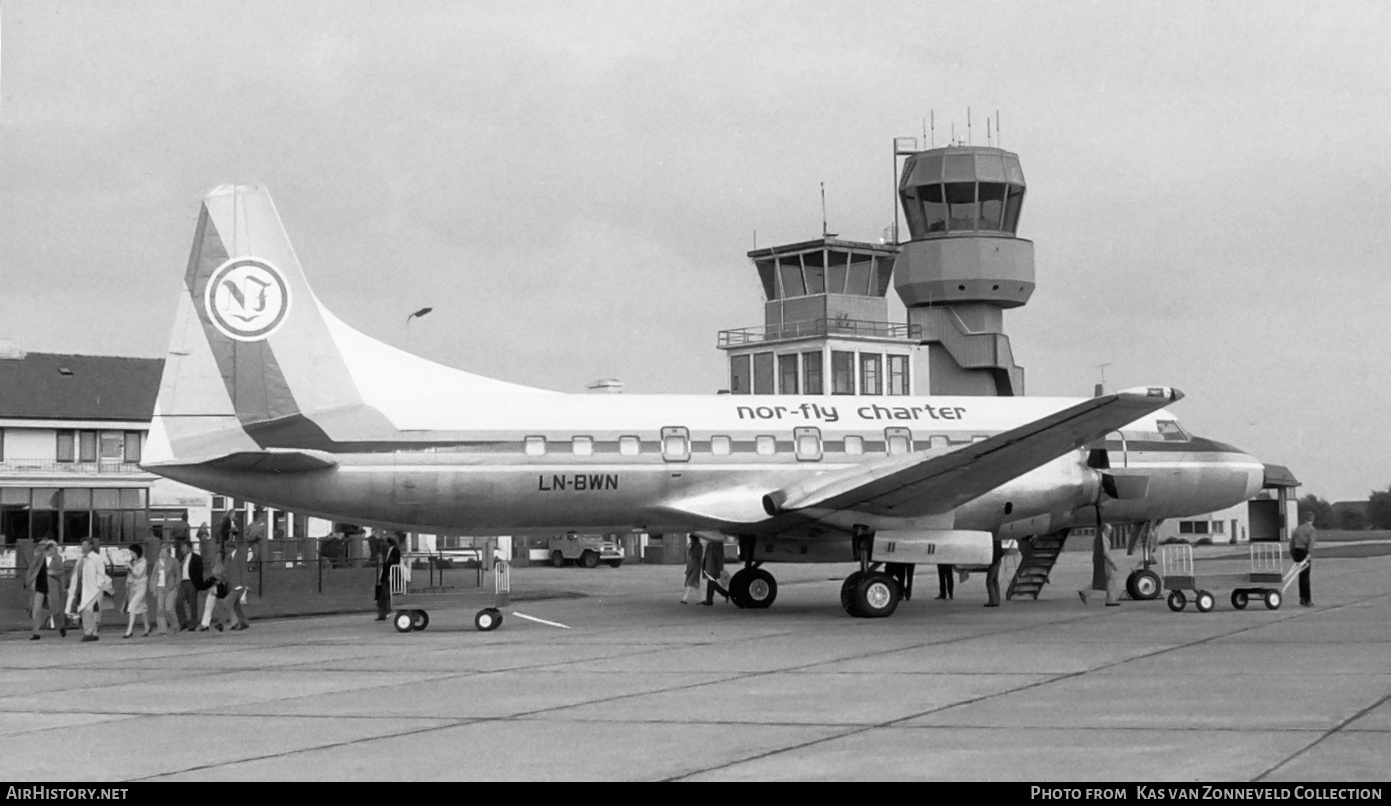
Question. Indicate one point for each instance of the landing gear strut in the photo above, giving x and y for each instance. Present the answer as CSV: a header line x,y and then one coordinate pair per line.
x,y
751,587
869,592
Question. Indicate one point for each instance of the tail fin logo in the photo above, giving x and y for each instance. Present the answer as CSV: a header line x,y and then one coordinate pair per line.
x,y
247,299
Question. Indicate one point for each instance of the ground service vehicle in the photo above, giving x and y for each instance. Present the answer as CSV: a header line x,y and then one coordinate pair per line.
x,y
585,550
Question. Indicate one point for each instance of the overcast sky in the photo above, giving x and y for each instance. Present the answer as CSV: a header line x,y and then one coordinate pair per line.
x,y
573,186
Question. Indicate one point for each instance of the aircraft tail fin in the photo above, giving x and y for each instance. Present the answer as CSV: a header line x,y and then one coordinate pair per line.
x,y
251,349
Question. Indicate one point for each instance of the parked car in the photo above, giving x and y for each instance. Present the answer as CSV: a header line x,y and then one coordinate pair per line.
x,y
585,550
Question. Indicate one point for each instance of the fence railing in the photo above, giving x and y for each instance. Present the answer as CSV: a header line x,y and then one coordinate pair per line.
x,y
46,467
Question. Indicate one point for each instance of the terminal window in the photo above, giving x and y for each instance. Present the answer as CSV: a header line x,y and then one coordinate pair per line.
x,y
871,373
811,374
740,377
787,374
86,446
132,452
763,373
898,375
67,441
842,373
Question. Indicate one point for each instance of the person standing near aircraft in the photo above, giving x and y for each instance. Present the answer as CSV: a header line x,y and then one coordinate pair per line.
x,y
392,557
36,582
694,560
992,575
164,583
946,583
713,565
137,588
1302,548
1104,570
92,582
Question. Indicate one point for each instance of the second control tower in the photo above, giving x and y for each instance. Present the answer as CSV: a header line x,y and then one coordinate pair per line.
x,y
963,266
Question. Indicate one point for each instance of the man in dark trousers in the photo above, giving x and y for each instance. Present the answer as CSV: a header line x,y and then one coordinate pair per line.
x,y
713,568
946,585
1302,547
393,557
190,583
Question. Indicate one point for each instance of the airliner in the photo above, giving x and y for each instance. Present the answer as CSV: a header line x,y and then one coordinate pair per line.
x,y
267,396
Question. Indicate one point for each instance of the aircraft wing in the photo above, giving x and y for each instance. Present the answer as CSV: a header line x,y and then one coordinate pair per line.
x,y
932,482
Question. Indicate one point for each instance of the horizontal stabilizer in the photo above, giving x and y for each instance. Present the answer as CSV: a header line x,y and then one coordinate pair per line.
x,y
275,461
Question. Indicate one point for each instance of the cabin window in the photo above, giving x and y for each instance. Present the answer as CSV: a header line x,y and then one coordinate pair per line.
x,y
582,446
535,446
1170,430
807,443
676,444
629,446
765,445
937,441
898,440
854,445
720,446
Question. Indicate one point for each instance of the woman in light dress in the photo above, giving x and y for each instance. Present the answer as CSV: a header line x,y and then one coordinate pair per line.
x,y
137,588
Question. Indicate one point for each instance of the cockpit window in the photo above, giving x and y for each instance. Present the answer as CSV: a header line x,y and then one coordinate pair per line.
x,y
1170,431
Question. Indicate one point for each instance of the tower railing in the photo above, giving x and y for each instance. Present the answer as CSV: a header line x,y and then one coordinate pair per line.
x,y
858,328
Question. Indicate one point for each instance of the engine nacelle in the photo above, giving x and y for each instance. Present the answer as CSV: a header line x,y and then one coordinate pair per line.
x,y
941,546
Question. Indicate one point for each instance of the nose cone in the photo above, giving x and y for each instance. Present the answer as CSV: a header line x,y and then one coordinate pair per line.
x,y
1236,476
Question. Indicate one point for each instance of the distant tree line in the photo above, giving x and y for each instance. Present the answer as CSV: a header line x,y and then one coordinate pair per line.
x,y
1377,514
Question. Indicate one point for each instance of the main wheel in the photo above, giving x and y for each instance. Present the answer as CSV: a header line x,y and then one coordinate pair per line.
x,y
1177,601
1240,599
1204,601
419,619
589,559
404,621
1143,585
557,559
847,592
753,588
876,595
1273,599
487,619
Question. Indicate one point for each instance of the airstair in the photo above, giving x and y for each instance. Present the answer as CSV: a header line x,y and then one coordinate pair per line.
x,y
1035,564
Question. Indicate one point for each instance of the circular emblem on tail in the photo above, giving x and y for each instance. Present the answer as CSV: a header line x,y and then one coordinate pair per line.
x,y
247,299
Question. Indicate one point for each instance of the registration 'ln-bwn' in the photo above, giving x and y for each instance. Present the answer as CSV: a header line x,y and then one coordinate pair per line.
x,y
268,396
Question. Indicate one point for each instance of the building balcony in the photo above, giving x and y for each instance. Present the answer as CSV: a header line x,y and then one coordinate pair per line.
x,y
813,328
47,467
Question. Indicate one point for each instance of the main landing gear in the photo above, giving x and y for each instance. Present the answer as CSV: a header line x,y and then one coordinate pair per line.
x,y
751,588
869,592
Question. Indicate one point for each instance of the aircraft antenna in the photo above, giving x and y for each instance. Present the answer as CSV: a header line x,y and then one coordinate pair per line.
x,y
1101,387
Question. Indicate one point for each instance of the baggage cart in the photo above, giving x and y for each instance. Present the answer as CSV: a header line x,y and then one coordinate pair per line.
x,y
1266,579
412,603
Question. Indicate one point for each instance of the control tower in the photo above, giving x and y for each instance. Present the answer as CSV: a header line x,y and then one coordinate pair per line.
x,y
963,266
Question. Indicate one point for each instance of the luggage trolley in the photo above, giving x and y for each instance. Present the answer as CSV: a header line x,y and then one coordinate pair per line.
x,y
1267,578
410,603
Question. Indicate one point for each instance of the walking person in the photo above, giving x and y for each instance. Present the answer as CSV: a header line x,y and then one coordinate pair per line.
x,y
946,583
36,583
391,558
137,589
91,582
713,566
694,559
164,583
1104,571
190,583
236,576
1302,548
53,565
217,592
